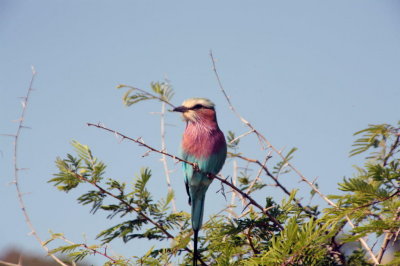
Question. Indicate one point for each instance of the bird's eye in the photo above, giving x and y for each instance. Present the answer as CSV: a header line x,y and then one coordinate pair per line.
x,y
197,106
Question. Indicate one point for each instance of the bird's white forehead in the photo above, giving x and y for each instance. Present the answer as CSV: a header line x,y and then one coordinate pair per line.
x,y
193,101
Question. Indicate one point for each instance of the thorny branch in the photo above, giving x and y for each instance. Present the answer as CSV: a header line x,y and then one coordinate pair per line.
x,y
264,140
21,125
278,184
243,194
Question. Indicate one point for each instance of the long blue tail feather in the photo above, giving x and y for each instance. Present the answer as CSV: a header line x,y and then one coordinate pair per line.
x,y
197,220
197,211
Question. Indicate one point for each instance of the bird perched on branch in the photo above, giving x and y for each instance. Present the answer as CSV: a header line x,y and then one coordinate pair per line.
x,y
204,145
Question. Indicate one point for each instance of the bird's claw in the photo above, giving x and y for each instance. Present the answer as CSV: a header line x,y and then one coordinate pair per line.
x,y
196,167
210,176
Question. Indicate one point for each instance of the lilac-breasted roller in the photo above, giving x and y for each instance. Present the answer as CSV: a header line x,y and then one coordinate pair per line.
x,y
204,144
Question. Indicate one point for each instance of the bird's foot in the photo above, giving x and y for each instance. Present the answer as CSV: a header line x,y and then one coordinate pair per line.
x,y
210,176
196,167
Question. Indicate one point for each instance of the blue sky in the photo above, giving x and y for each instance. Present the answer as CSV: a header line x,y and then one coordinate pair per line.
x,y
305,73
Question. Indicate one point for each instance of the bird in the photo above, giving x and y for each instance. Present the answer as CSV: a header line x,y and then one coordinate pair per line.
x,y
203,144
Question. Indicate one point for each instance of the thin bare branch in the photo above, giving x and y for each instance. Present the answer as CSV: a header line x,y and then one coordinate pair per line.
x,y
233,197
395,144
277,183
241,136
259,172
387,238
249,239
17,170
5,263
163,157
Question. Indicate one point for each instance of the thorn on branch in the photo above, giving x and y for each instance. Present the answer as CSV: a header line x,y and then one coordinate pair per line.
x,y
245,207
146,154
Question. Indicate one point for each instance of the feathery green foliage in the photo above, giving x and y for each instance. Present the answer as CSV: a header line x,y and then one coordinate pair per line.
x,y
161,91
285,233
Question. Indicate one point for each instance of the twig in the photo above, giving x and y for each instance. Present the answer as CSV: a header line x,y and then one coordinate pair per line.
x,y
25,101
243,194
262,138
241,136
259,173
227,97
392,148
248,236
250,199
95,251
377,201
233,197
388,237
163,157
278,184
5,263
147,93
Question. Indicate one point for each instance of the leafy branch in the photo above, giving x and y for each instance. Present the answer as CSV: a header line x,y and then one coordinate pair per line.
x,y
162,92
89,170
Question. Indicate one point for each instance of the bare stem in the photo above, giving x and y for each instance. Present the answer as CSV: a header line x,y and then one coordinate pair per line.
x,y
241,136
233,197
262,166
163,157
25,101
392,149
4,263
251,244
387,238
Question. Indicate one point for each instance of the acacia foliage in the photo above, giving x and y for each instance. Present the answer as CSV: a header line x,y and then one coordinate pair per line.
x,y
311,235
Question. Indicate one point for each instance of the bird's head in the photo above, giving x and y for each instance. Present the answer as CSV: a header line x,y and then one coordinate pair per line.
x,y
196,109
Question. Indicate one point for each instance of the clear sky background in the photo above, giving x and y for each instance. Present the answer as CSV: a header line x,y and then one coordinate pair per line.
x,y
306,73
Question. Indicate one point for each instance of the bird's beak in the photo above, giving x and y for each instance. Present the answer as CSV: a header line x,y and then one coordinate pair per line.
x,y
180,109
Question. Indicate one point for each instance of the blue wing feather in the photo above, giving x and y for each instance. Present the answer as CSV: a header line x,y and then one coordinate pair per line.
x,y
197,183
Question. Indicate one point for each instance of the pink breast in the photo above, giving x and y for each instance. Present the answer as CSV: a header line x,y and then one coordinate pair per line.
x,y
202,142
